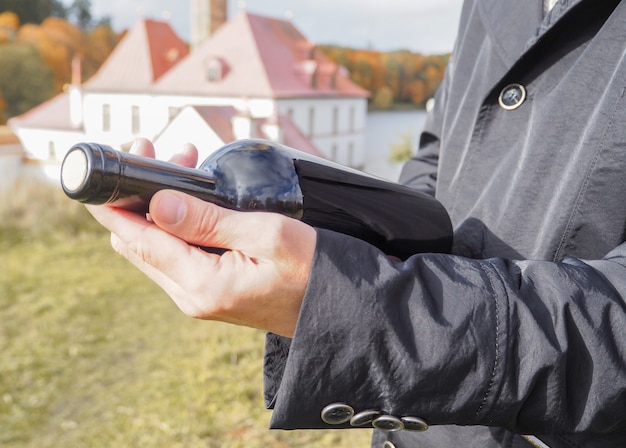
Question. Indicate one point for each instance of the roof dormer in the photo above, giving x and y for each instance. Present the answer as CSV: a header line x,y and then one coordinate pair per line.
x,y
216,69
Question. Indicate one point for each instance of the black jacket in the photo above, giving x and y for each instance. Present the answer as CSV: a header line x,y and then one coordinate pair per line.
x,y
523,329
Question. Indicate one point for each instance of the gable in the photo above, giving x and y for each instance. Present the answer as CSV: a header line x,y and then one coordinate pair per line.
x,y
148,51
260,57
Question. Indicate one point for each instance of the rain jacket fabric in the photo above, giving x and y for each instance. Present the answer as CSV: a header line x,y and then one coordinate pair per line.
x,y
522,329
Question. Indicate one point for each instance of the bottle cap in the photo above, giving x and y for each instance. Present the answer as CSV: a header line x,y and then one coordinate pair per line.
x,y
74,170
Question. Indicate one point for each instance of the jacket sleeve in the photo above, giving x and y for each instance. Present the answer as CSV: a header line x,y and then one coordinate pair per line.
x,y
533,347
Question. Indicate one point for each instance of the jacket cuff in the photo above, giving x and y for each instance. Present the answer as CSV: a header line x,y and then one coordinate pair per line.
x,y
371,335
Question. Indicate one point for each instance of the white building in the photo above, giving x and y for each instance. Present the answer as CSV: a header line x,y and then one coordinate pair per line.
x,y
254,77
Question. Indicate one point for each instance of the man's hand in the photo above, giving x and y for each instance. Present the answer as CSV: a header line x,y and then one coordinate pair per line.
x,y
258,282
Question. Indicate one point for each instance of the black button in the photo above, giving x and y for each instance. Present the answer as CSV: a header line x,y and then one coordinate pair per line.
x,y
388,423
512,96
364,418
414,424
337,413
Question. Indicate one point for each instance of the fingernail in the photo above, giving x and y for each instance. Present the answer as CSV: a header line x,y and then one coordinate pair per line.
x,y
187,148
170,209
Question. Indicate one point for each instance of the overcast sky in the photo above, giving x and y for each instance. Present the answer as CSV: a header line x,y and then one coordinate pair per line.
x,y
427,26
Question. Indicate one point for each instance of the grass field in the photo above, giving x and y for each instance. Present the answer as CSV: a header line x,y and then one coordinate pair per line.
x,y
92,354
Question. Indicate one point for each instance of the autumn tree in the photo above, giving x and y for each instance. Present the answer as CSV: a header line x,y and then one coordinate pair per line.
x,y
25,80
58,42
410,78
3,107
80,12
9,24
99,44
34,11
38,41
383,98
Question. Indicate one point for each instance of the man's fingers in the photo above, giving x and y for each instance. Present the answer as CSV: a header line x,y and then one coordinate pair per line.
x,y
142,147
202,223
188,158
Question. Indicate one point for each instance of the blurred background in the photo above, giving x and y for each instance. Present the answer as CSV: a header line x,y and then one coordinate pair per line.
x,y
93,354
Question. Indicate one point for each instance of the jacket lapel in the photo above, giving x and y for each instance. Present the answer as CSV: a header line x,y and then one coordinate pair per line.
x,y
515,26
560,10
510,24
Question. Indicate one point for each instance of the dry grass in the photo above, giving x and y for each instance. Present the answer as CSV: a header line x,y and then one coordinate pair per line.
x,y
94,355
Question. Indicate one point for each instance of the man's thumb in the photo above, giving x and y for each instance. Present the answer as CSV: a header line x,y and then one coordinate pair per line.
x,y
190,219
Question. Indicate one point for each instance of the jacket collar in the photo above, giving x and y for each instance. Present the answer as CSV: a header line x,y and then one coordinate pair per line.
x,y
560,10
515,26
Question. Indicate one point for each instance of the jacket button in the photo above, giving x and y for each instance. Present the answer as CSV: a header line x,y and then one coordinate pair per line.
x,y
388,423
512,96
364,418
414,424
337,413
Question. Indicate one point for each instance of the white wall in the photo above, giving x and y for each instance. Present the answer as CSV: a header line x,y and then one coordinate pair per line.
x,y
335,125
48,144
187,127
154,112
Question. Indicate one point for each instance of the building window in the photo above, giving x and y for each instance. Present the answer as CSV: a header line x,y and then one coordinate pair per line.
x,y
311,121
135,120
335,120
334,153
51,150
216,69
106,117
352,115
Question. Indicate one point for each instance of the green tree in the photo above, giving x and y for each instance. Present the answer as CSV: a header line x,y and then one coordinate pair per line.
x,y
401,151
80,11
25,80
383,98
34,11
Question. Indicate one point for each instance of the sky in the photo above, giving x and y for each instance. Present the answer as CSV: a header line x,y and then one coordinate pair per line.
x,y
425,26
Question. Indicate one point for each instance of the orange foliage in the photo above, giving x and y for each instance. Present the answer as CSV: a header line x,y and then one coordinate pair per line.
x,y
9,21
3,106
410,77
58,41
98,46
9,24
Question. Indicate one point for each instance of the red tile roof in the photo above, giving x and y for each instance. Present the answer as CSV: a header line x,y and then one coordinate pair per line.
x,y
263,57
219,118
52,114
144,55
259,57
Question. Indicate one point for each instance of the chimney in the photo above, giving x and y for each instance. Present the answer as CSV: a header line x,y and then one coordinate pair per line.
x,y
206,17
75,94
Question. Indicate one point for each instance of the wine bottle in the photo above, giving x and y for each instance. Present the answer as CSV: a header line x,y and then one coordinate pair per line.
x,y
257,175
